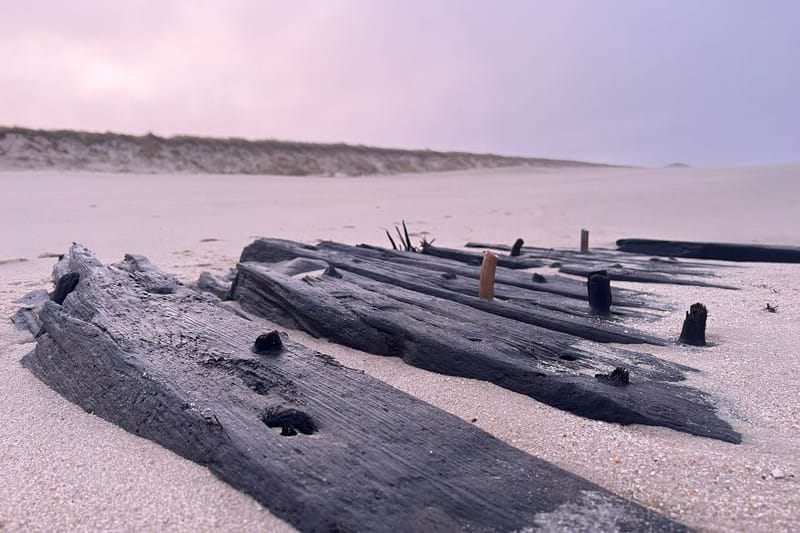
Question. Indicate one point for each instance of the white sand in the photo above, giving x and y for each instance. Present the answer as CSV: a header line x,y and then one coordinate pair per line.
x,y
61,468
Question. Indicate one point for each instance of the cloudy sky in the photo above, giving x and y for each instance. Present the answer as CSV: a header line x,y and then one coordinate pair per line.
x,y
708,82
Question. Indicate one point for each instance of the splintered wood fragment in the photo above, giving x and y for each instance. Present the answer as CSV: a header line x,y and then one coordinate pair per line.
x,y
322,446
488,269
693,331
584,241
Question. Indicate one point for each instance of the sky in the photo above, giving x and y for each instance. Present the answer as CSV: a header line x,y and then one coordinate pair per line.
x,y
646,82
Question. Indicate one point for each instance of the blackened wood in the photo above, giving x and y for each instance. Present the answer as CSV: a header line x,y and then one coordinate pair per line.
x,y
694,325
600,257
472,258
446,337
277,250
65,285
271,250
517,248
347,452
619,377
641,276
712,250
599,290
559,285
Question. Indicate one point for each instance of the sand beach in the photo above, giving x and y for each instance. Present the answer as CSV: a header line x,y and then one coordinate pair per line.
x,y
66,470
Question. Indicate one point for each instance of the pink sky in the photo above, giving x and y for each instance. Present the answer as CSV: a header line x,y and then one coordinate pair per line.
x,y
707,82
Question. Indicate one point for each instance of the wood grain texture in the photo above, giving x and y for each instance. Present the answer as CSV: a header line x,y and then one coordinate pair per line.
x,y
133,346
454,334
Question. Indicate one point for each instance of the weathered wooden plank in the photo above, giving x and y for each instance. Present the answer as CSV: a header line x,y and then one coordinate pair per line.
x,y
712,250
451,338
325,447
603,256
550,283
643,276
450,287
618,268
473,258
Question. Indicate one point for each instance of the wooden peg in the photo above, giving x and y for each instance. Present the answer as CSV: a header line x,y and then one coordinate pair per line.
x,y
488,269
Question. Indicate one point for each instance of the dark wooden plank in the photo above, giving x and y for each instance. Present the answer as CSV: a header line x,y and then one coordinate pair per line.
x,y
553,283
475,258
455,339
347,452
582,265
605,256
643,276
712,250
273,250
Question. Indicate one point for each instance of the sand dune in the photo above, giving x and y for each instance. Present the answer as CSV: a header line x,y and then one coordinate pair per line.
x,y
61,468
22,148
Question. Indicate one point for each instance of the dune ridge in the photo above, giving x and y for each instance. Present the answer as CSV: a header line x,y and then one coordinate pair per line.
x,y
27,149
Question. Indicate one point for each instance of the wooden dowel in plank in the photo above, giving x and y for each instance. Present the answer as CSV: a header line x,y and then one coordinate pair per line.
x,y
488,269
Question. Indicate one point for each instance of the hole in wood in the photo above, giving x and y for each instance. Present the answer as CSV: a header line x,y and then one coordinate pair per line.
x,y
290,421
66,284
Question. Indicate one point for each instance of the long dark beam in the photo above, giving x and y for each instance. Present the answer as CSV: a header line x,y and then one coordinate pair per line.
x,y
455,339
760,253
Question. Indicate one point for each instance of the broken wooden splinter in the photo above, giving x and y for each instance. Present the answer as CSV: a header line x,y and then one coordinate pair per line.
x,y
488,269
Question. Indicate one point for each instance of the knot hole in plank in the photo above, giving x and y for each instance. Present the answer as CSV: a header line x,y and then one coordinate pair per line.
x,y
290,421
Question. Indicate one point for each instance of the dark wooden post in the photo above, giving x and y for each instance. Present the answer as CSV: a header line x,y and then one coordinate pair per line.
x,y
517,248
694,325
599,286
584,241
488,269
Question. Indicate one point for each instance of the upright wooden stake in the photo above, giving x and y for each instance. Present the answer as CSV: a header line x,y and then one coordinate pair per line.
x,y
694,325
517,248
599,286
584,241
488,269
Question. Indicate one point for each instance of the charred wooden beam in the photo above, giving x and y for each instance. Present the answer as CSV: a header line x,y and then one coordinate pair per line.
x,y
450,338
712,250
322,446
276,250
641,276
